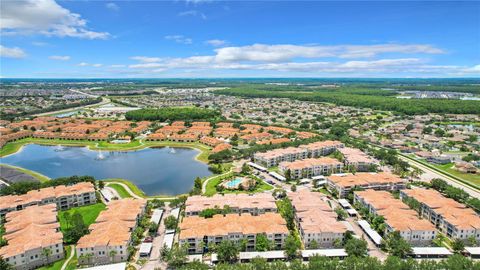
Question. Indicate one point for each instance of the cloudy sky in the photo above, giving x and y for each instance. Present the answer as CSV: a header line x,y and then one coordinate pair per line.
x,y
206,38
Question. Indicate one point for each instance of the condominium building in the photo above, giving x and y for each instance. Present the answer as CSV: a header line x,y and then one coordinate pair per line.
x,y
450,217
316,220
198,232
323,148
311,167
343,183
398,216
28,233
274,157
242,203
110,235
357,159
65,197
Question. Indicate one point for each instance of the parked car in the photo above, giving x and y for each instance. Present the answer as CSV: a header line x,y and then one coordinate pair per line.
x,y
148,239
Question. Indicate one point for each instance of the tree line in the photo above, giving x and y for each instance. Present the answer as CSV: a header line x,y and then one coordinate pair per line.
x,y
365,100
172,114
24,187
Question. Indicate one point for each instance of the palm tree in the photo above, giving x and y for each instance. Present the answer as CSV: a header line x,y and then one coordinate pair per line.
x,y
47,252
112,254
88,256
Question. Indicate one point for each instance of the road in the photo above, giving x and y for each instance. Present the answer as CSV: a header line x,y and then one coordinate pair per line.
x,y
430,173
154,260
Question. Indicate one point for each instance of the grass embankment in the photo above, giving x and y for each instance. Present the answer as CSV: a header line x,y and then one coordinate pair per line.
x,y
36,175
72,264
202,156
136,190
122,192
89,214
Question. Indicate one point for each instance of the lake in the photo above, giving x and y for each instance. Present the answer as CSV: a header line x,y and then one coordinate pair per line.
x,y
157,171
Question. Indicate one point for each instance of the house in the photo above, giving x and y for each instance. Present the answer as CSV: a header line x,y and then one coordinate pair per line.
x,y
28,232
111,233
397,215
198,233
274,157
357,159
322,148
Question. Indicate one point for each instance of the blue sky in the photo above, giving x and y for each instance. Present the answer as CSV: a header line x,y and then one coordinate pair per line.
x,y
128,39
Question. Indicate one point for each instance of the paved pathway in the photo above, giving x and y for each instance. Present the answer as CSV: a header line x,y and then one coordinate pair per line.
x,y
72,253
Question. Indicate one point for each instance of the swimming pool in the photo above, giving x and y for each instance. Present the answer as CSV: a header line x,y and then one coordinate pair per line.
x,y
233,183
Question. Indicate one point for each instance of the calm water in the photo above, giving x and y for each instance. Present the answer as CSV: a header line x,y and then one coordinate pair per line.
x,y
154,170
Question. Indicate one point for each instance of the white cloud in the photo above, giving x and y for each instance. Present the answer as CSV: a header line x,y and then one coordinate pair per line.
x,y
85,64
45,17
193,13
60,57
117,66
145,59
14,52
179,39
112,6
216,42
195,2
39,43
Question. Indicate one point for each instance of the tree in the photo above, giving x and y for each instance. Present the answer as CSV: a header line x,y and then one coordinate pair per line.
x,y
341,214
356,247
176,256
197,184
313,244
76,229
245,169
112,254
4,265
227,252
170,222
291,246
458,245
262,243
293,188
288,175
101,184
47,252
396,245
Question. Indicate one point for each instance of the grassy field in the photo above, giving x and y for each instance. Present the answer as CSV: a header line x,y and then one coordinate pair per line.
x,y
39,176
213,182
211,186
89,214
473,178
120,190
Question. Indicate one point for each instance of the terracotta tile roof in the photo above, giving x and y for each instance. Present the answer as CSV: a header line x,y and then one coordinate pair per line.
x,y
397,215
259,200
280,152
198,227
114,225
275,141
322,144
32,228
361,179
45,193
221,147
310,162
453,212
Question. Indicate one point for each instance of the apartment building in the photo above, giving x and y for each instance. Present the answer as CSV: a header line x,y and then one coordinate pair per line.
x,y
311,167
398,216
358,159
323,148
198,232
110,235
343,183
450,217
30,231
316,220
242,203
274,157
65,197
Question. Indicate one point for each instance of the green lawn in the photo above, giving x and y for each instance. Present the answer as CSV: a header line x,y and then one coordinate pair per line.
x,y
211,186
58,264
120,190
39,176
89,214
131,185
473,178
213,182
